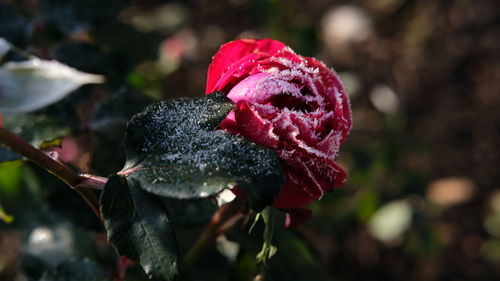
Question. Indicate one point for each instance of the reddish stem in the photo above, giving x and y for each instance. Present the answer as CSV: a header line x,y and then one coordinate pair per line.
x,y
123,264
93,182
64,173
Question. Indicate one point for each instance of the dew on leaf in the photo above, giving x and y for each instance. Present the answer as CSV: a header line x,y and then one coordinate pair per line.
x,y
176,151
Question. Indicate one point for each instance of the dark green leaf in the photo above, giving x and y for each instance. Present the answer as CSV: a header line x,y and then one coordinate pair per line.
x,y
138,227
76,271
174,150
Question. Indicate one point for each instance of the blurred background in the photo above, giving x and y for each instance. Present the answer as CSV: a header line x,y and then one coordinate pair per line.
x,y
422,201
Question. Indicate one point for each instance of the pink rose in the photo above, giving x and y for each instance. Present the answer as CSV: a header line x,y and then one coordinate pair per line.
x,y
292,104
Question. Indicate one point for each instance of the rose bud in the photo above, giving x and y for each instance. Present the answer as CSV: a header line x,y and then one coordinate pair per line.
x,y
292,104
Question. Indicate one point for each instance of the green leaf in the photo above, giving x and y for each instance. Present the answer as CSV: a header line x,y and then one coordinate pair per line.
x,y
138,227
51,144
174,150
31,85
268,249
84,270
5,217
10,177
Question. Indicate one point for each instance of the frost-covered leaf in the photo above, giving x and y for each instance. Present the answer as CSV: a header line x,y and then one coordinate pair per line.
x,y
138,227
174,150
30,85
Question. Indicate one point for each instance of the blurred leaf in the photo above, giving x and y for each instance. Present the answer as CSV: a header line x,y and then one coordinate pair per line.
x,y
131,43
33,128
138,227
26,191
118,110
190,213
227,248
30,85
84,270
4,216
82,15
10,177
490,249
108,126
14,27
174,151
4,47
492,224
367,204
164,18
51,144
391,221
54,243
94,58
294,261
82,56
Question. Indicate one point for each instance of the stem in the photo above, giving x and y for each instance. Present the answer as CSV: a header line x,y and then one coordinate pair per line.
x,y
64,173
36,156
123,264
92,181
222,220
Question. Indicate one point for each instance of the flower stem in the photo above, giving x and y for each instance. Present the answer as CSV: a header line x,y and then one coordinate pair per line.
x,y
63,172
221,221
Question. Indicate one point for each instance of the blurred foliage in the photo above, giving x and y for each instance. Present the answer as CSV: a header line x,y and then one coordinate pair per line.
x,y
424,81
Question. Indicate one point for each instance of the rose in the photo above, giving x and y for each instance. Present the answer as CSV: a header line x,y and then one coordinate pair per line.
x,y
292,104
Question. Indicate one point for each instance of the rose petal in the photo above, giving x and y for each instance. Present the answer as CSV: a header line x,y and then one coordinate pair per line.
x,y
339,97
229,123
296,216
246,89
253,127
234,54
329,175
293,194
